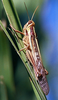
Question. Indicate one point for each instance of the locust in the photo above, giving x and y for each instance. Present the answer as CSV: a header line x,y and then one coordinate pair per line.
x,y
33,53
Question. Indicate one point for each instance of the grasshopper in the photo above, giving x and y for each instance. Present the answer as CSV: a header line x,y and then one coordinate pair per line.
x,y
33,53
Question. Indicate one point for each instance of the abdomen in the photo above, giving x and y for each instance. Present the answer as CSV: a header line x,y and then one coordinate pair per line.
x,y
44,84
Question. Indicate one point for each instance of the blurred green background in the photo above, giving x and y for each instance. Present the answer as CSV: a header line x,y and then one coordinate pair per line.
x,y
14,81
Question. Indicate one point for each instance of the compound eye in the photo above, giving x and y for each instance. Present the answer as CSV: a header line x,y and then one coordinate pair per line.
x,y
30,22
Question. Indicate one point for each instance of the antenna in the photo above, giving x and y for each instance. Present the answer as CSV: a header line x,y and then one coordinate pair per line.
x,y
34,12
27,11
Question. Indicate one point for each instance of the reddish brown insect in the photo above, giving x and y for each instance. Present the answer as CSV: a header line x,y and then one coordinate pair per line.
x,y
33,53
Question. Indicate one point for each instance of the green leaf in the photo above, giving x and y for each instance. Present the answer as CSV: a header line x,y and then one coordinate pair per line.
x,y
3,93
6,64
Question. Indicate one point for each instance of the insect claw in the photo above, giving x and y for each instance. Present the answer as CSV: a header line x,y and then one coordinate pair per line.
x,y
46,72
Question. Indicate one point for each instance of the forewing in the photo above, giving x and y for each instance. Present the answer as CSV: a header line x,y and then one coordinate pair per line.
x,y
39,66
